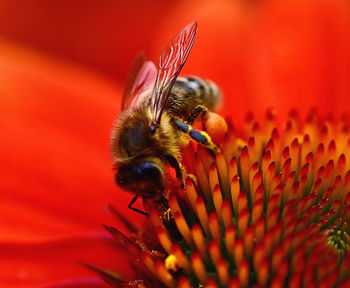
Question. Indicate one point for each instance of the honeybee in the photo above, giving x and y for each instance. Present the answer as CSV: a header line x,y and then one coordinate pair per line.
x,y
157,111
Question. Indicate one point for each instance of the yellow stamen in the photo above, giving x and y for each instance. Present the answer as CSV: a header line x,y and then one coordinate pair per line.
x,y
230,239
164,240
214,251
288,192
257,181
267,242
202,214
222,270
223,173
266,161
243,219
341,165
238,251
217,198
205,158
242,201
243,273
149,263
277,257
253,171
259,193
164,275
234,283
174,205
245,166
214,226
226,213
183,227
259,229
235,190
211,283
181,258
213,177
199,240
257,210
258,256
249,241
232,168
263,272
198,267
184,283
191,193
306,147
202,178
273,218
272,204
286,168
253,155
295,154
275,187
269,175
171,263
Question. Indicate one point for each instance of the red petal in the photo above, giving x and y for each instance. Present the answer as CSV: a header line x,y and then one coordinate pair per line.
x,y
105,35
80,283
31,265
282,54
298,53
55,171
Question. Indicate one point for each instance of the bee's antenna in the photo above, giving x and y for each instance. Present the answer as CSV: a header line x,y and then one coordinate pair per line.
x,y
135,209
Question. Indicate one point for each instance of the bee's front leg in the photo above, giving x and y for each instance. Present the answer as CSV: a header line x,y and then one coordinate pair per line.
x,y
179,168
200,137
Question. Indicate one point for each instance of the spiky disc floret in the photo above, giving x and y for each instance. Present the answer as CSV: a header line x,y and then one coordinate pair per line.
x,y
272,210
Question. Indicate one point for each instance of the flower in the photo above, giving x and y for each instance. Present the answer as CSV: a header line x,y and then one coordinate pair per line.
x,y
272,209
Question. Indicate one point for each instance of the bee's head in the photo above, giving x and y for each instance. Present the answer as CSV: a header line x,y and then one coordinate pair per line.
x,y
131,135
138,167
144,178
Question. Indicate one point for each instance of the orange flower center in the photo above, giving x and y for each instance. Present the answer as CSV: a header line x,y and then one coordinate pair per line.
x,y
272,209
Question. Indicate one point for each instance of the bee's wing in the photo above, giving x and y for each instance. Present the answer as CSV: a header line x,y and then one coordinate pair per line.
x,y
142,76
171,61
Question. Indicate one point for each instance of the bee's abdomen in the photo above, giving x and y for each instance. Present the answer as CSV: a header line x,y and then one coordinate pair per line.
x,y
189,92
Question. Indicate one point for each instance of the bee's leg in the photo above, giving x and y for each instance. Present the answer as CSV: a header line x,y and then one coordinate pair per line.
x,y
135,209
200,109
179,169
167,214
200,137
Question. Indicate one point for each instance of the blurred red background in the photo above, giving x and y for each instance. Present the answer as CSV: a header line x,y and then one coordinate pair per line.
x,y
62,69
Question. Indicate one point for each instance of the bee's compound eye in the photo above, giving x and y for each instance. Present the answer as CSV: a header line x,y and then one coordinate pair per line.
x,y
146,171
120,177
150,170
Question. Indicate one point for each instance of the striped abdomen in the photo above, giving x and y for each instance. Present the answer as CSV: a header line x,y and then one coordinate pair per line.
x,y
189,92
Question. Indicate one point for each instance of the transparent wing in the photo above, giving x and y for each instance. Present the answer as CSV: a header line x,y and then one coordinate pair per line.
x,y
171,61
142,76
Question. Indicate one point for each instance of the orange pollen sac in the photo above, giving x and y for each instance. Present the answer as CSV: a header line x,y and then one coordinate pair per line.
x,y
271,209
216,126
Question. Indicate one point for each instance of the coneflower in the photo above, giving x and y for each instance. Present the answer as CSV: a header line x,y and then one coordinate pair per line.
x,y
271,210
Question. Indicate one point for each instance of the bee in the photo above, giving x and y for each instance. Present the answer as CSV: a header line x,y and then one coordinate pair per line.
x,y
157,111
